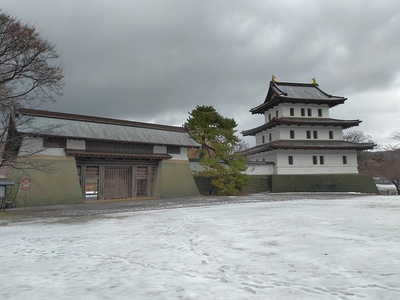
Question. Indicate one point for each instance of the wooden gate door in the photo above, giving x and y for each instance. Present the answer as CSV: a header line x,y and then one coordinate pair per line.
x,y
117,183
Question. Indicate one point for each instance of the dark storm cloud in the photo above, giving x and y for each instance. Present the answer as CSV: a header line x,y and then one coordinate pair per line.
x,y
156,60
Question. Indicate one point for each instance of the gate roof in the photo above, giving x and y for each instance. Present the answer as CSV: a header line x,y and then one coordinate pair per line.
x,y
45,123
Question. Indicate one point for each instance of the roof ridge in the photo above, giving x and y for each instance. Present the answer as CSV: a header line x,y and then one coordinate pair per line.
x,y
296,83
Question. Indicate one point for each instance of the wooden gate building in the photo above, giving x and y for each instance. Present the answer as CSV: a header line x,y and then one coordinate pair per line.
x,y
76,157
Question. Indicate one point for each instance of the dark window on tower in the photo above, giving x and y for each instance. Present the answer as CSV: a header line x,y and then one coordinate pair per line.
x,y
263,139
315,134
292,134
292,111
345,160
270,137
321,160
269,117
303,112
309,112
331,135
319,112
290,160
276,114
308,134
315,160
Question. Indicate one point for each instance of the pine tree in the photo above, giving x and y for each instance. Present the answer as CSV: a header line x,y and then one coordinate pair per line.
x,y
216,134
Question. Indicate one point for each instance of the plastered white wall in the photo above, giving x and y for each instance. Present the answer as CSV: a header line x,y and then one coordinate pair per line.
x,y
34,146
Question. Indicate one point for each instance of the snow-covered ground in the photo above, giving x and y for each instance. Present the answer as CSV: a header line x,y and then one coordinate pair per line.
x,y
303,249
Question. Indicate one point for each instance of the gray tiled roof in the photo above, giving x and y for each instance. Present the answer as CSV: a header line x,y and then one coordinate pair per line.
x,y
296,93
43,125
302,91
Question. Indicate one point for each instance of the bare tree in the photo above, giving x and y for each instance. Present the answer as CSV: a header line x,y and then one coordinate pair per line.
x,y
357,137
362,156
29,77
395,136
386,164
241,146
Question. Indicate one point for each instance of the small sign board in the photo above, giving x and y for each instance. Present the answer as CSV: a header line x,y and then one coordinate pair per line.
x,y
26,184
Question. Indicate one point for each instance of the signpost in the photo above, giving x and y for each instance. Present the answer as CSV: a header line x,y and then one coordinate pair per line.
x,y
26,185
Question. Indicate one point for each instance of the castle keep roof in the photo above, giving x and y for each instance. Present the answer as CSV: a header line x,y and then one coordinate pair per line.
x,y
280,92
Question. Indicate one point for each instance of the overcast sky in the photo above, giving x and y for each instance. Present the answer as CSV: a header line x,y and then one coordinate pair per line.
x,y
155,60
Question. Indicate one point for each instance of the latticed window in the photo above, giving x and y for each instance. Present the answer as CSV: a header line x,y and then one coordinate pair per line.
x,y
174,149
53,142
118,147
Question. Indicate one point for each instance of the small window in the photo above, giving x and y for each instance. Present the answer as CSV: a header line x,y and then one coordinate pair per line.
x,y
277,114
263,139
292,111
269,117
52,142
292,134
331,135
270,137
308,134
309,113
315,134
321,160
290,160
319,112
174,149
315,160
303,112
345,160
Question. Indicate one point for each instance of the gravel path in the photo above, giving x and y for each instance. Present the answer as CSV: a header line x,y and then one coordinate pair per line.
x,y
106,207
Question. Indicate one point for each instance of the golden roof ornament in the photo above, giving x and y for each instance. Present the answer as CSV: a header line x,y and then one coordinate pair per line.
x,y
273,78
314,81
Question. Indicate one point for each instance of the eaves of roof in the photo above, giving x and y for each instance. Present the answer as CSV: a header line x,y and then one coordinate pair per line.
x,y
277,100
308,145
302,122
127,155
